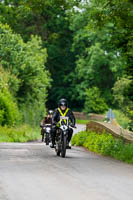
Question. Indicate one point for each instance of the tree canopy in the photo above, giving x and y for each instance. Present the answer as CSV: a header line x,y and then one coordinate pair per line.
x,y
77,47
27,78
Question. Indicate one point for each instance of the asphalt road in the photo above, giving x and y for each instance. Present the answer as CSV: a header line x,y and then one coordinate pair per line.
x,y
32,171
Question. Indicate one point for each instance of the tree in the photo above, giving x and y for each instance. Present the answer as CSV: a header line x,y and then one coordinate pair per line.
x,y
118,17
25,63
98,62
49,20
9,114
120,92
94,103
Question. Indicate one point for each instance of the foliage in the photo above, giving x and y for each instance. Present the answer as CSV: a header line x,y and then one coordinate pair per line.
x,y
50,21
120,92
32,113
121,118
105,144
78,139
26,62
27,78
80,121
44,18
22,133
93,101
116,17
88,45
99,62
9,114
8,109
130,114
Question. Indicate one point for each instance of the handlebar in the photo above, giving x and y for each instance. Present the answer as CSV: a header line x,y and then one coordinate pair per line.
x,y
73,126
63,123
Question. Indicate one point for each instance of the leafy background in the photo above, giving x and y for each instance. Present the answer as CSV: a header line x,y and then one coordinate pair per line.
x,y
78,50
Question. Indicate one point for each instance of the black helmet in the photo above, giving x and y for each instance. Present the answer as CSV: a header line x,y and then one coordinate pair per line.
x,y
62,102
50,112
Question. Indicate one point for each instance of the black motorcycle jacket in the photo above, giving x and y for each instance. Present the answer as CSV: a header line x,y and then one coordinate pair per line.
x,y
46,120
57,114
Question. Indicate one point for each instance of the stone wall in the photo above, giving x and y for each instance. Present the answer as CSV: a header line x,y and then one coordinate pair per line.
x,y
97,117
116,131
91,116
80,115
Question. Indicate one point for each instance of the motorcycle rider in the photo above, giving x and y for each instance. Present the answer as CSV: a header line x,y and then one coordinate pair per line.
x,y
63,111
46,120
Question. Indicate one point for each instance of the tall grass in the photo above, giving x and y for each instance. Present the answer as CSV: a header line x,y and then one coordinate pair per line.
x,y
80,121
23,133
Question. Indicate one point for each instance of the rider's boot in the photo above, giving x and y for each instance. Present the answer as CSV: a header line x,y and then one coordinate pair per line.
x,y
52,145
68,146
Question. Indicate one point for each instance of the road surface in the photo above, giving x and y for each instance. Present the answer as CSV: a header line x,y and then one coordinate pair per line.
x,y
32,171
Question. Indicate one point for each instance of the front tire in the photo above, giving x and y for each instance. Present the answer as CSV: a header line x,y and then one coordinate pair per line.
x,y
64,144
57,149
47,139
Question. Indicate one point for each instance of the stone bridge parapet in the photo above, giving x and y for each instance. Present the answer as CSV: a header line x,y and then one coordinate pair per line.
x,y
116,131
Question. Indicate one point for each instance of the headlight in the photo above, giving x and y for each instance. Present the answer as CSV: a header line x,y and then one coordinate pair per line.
x,y
48,129
64,127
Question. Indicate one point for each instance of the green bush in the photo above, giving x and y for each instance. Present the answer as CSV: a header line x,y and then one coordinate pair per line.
x,y
81,121
120,93
22,133
121,118
94,103
32,113
130,115
23,65
9,114
105,144
79,139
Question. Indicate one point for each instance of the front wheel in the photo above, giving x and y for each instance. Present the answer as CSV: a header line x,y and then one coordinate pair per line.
x,y
64,144
57,149
42,137
47,139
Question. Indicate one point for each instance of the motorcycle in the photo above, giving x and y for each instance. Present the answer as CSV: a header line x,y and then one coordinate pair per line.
x,y
47,134
62,136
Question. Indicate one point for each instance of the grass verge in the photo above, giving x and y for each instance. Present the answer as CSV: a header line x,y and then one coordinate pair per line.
x,y
81,121
22,133
105,144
